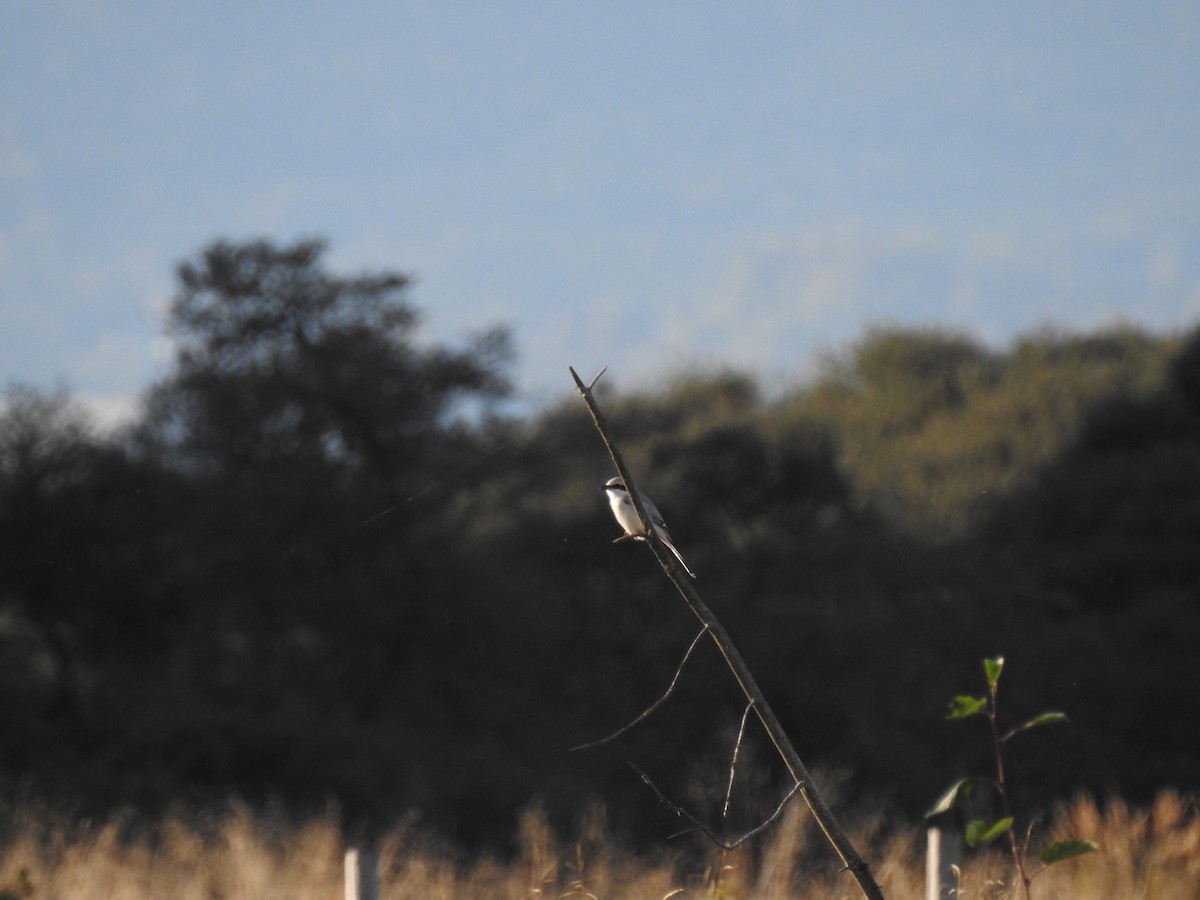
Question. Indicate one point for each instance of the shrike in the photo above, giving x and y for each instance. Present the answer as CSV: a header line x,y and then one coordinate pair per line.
x,y
627,517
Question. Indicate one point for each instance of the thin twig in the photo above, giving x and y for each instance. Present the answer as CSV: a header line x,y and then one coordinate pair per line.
x,y
741,672
724,845
737,749
649,711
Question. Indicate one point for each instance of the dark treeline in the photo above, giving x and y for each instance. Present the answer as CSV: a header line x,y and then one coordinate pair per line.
x,y
323,566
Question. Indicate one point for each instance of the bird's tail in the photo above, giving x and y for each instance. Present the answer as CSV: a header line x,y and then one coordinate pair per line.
x,y
678,556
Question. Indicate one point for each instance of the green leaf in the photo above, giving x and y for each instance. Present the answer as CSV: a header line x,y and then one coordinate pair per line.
x,y
963,706
946,801
1047,718
980,832
1068,848
991,670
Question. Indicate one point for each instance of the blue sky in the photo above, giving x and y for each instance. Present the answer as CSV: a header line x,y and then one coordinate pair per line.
x,y
652,186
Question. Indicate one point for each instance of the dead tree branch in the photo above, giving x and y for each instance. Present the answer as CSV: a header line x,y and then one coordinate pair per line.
x,y
684,814
741,672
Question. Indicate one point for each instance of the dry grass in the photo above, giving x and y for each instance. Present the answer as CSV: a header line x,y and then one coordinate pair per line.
x,y
1145,853
242,856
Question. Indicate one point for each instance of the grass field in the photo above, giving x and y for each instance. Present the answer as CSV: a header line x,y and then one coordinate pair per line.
x,y
1149,853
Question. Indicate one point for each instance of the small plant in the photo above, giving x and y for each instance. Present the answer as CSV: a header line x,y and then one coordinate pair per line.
x,y
981,831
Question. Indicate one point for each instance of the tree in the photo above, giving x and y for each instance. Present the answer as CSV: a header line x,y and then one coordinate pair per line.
x,y
308,420
46,451
284,367
252,594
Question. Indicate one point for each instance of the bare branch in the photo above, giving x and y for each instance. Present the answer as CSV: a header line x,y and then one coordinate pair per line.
x,y
724,845
649,711
741,672
592,383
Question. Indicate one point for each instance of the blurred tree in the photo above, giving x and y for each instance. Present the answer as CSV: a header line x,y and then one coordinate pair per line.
x,y
1105,535
313,422
1185,372
80,605
263,593
46,449
932,428
309,572
283,366
1110,519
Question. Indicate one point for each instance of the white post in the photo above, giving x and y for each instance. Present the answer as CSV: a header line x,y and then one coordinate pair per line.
x,y
943,851
362,874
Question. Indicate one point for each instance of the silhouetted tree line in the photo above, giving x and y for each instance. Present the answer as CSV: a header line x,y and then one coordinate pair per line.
x,y
325,565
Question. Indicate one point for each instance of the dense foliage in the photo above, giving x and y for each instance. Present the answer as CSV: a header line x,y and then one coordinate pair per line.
x,y
323,565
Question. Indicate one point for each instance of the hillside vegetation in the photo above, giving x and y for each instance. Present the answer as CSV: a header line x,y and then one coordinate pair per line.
x,y
326,565
932,427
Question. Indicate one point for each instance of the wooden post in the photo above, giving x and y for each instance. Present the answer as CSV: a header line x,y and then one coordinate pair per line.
x,y
943,852
362,874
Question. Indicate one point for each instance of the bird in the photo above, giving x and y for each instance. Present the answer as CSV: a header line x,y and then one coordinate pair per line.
x,y
627,517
